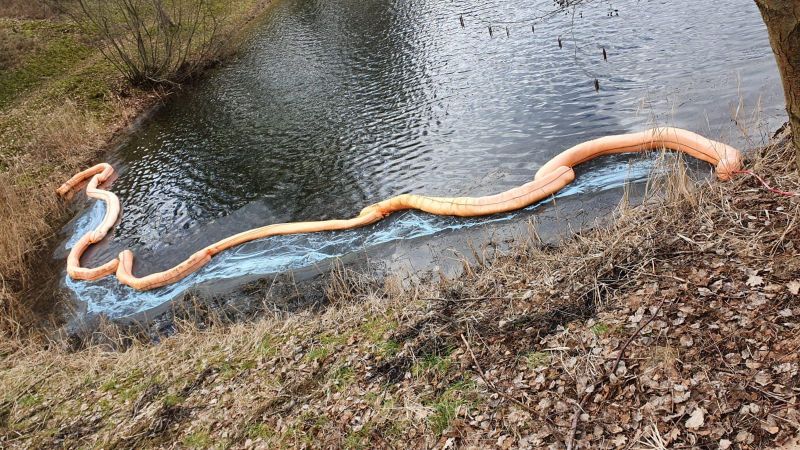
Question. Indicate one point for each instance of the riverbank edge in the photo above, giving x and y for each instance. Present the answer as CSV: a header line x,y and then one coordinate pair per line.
x,y
26,296
675,325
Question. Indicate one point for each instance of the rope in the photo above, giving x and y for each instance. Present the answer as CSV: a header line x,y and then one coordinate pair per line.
x,y
766,185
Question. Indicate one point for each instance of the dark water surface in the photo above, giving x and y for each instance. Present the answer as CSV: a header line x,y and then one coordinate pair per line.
x,y
337,104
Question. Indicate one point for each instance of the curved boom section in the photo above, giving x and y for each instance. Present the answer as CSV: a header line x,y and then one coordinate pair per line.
x,y
550,178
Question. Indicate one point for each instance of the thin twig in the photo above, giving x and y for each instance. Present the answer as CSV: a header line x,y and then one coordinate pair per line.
x,y
490,384
579,405
636,333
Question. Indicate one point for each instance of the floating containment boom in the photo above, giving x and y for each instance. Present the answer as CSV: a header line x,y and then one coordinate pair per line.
x,y
550,178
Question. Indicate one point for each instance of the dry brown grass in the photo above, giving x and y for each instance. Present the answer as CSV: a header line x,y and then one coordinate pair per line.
x,y
67,129
14,46
66,134
384,365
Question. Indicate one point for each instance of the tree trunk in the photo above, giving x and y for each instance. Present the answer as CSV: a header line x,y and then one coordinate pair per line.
x,y
783,25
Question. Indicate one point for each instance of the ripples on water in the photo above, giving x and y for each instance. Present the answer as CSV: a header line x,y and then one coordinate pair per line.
x,y
337,104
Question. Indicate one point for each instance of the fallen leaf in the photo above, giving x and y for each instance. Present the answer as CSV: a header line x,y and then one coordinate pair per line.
x,y
744,436
752,364
680,393
754,280
794,287
763,378
770,429
696,420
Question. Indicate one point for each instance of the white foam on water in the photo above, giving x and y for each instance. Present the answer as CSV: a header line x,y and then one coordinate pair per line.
x,y
282,253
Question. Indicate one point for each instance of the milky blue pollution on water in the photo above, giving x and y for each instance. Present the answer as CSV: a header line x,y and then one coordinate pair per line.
x,y
335,105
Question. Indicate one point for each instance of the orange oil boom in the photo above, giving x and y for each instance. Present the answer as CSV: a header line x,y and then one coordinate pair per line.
x,y
550,178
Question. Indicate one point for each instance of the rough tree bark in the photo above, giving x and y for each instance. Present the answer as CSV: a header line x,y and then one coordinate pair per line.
x,y
783,25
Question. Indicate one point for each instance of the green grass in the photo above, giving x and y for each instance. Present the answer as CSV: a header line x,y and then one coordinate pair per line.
x,y
92,86
267,348
171,400
259,431
342,378
388,349
327,343
534,360
600,329
293,437
30,400
198,439
445,407
62,49
317,353
444,411
432,364
333,339
374,329
358,440
109,385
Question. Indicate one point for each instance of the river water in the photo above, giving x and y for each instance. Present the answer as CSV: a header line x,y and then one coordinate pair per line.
x,y
333,105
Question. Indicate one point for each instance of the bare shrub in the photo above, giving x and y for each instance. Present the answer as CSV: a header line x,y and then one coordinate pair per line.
x,y
153,41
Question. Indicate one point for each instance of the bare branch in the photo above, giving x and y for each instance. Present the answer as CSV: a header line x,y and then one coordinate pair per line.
x,y
151,41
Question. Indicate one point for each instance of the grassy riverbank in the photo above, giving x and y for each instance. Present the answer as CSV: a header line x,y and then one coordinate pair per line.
x,y
675,326
61,104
